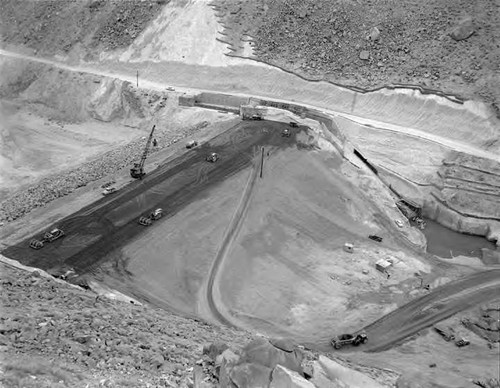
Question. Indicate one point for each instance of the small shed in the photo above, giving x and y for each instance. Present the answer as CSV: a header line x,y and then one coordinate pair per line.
x,y
383,265
349,247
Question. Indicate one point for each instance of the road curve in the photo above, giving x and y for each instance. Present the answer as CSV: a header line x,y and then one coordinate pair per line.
x,y
230,235
427,310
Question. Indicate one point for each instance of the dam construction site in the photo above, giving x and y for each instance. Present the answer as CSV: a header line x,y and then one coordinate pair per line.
x,y
249,194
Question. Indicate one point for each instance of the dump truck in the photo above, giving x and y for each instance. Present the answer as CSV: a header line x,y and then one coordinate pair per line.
x,y
191,144
155,215
212,157
349,339
50,236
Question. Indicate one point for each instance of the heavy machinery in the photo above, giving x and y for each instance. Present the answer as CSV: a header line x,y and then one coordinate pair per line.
x,y
155,215
137,171
191,144
212,157
286,132
109,190
293,124
349,339
51,236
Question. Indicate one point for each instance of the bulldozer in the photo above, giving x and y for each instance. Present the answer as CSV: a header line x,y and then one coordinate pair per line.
x,y
137,172
349,339
155,215
50,236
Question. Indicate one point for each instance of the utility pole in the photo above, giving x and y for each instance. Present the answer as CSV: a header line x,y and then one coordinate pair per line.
x,y
262,162
137,75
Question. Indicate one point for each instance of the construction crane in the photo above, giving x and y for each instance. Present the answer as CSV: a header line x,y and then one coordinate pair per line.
x,y
137,171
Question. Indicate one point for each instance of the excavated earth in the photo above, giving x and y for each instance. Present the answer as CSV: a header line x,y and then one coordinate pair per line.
x,y
255,240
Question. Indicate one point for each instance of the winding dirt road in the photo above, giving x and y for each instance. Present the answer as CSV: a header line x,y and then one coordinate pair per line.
x,y
211,289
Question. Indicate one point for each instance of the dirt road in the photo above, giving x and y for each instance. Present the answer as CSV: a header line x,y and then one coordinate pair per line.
x,y
103,227
427,310
212,289
446,142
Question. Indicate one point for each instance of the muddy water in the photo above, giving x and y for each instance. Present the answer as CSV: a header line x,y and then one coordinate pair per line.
x,y
446,243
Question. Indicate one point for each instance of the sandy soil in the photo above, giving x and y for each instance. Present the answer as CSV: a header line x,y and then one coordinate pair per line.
x,y
290,250
32,146
185,31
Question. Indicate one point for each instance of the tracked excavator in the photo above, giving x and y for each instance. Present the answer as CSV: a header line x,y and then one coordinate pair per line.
x,y
137,171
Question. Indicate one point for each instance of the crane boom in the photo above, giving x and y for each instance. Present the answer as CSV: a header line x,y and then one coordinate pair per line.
x,y
138,170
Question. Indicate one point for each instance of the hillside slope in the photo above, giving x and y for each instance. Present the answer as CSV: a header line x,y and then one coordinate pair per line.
x,y
54,335
375,43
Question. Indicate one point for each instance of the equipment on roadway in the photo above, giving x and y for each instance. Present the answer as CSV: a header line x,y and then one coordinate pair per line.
x,y
212,158
286,132
137,171
349,339
109,190
191,144
293,124
155,215
462,342
51,236
375,238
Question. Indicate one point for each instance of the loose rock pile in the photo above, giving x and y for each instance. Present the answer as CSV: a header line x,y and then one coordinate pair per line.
x,y
99,338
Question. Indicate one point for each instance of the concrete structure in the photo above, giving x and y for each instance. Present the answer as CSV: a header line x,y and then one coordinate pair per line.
x,y
383,265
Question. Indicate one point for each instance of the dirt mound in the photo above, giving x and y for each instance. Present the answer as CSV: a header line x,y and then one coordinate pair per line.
x,y
369,45
59,26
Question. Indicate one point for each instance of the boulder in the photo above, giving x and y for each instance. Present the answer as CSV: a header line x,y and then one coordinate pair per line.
x,y
283,344
364,55
463,30
285,378
350,377
374,34
320,378
214,349
249,375
262,352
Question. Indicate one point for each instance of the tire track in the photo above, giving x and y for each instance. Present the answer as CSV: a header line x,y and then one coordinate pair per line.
x,y
229,237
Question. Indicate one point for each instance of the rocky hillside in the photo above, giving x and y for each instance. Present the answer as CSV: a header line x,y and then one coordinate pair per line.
x,y
53,334
447,44
56,27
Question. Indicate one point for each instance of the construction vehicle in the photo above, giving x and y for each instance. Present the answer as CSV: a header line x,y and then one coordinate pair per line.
x,y
286,132
349,339
212,157
293,124
191,144
462,342
109,190
155,215
137,171
51,236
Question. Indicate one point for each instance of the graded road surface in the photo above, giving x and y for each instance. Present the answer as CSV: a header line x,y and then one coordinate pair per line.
x,y
109,223
427,310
